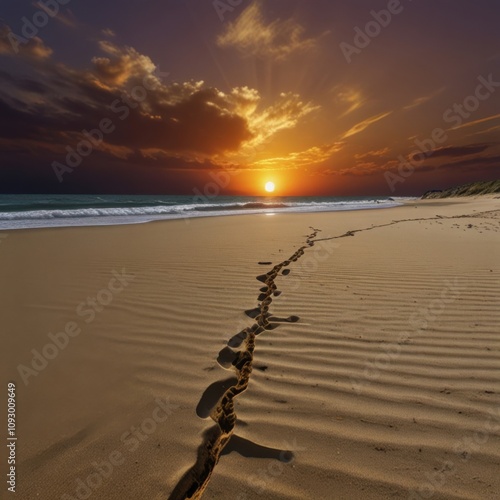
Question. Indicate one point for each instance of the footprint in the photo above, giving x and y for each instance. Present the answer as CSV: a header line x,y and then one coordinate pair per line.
x,y
270,326
259,330
238,339
290,319
217,401
252,313
212,394
227,357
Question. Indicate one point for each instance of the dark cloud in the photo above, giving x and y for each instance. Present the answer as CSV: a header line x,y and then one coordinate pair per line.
x,y
471,149
150,122
145,112
474,163
123,86
482,163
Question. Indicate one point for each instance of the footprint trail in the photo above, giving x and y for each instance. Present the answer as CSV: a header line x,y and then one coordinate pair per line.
x,y
195,480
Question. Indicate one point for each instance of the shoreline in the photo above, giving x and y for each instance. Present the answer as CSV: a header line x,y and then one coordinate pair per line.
x,y
187,220
401,203
388,369
199,212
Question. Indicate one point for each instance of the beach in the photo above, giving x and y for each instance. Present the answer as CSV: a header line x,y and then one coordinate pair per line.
x,y
375,373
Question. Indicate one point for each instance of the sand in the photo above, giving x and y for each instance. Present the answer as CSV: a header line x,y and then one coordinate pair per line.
x,y
383,383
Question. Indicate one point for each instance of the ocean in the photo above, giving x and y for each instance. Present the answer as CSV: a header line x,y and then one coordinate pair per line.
x,y
36,211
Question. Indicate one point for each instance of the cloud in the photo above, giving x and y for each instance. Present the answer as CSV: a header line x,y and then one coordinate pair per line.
x,y
311,157
14,45
366,168
67,17
377,162
471,149
108,32
121,64
192,125
482,163
252,35
349,99
359,127
476,122
284,114
370,155
488,162
152,118
422,100
486,131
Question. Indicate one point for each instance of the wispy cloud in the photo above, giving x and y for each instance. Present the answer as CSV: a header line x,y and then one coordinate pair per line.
x,y
476,122
368,163
108,32
252,35
264,123
423,99
308,158
485,131
10,45
370,155
67,17
349,99
470,149
359,127
481,163
368,168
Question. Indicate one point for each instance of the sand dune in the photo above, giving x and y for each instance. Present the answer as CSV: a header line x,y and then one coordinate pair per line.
x,y
375,373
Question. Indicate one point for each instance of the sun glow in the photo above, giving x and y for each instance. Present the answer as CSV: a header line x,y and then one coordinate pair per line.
x,y
270,187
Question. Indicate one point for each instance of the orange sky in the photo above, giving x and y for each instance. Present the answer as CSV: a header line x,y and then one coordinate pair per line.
x,y
323,98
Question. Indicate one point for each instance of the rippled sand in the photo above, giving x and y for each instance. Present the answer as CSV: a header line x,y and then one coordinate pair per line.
x,y
375,373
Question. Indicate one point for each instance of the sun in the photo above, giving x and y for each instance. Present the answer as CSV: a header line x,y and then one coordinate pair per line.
x,y
270,187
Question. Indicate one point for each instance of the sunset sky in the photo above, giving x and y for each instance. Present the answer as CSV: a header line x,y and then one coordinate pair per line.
x,y
174,94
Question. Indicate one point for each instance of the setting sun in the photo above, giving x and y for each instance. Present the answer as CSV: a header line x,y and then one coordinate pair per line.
x,y
270,187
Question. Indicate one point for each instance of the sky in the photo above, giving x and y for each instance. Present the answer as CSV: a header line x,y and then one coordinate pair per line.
x,y
320,97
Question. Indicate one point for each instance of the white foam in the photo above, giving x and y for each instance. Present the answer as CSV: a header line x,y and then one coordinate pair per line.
x,y
132,215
